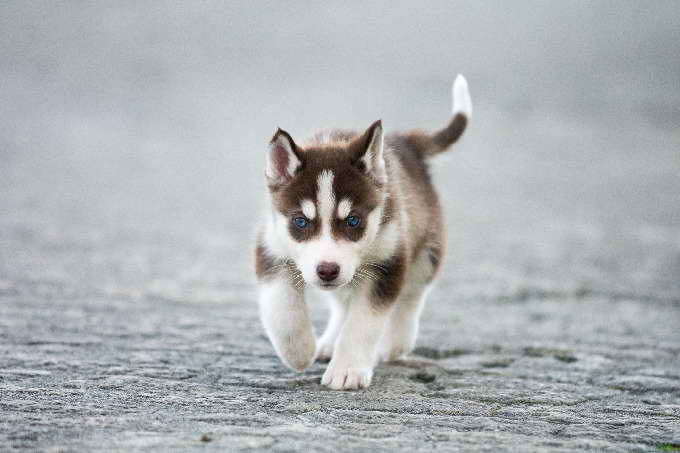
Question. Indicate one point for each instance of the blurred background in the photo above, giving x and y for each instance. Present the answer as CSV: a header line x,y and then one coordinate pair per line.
x,y
132,137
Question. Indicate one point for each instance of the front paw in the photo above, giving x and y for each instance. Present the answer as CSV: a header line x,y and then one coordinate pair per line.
x,y
339,377
298,354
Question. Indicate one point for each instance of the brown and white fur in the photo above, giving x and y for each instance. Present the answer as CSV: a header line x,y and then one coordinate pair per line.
x,y
379,271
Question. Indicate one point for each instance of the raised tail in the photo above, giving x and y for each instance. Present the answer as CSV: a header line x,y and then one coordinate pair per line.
x,y
462,111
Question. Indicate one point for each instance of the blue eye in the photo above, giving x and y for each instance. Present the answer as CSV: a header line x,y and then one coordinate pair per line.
x,y
300,222
353,221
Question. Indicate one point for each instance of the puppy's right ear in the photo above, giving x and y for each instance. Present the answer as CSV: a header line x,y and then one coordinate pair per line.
x,y
283,159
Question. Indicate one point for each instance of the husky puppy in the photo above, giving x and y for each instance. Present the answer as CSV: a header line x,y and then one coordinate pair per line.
x,y
354,214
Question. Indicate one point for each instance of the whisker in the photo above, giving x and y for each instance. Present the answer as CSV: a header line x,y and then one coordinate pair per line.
x,y
367,275
377,266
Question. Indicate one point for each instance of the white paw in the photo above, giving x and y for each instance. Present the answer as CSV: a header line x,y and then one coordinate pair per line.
x,y
396,352
298,355
347,377
393,349
324,350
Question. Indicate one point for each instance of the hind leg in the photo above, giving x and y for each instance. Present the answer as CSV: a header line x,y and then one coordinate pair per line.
x,y
401,333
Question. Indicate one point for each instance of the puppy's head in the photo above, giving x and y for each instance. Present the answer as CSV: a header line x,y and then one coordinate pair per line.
x,y
327,202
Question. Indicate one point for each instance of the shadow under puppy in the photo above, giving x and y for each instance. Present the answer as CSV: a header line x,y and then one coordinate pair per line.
x,y
354,214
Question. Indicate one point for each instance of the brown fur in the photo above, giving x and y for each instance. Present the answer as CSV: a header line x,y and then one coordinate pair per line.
x,y
265,264
389,281
449,135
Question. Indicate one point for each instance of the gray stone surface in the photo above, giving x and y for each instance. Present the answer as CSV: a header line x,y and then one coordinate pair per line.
x,y
131,141
130,340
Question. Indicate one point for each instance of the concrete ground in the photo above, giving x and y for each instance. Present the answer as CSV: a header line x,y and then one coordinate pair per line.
x,y
130,187
554,334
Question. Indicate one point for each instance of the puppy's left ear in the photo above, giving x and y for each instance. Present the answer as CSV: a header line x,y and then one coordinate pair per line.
x,y
367,153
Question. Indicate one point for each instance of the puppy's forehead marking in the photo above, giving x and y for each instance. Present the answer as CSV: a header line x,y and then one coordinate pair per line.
x,y
325,197
308,208
344,208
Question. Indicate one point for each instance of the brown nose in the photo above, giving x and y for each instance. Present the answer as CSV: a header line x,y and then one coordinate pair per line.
x,y
328,271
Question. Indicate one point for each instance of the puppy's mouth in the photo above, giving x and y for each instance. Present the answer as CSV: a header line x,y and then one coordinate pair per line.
x,y
329,286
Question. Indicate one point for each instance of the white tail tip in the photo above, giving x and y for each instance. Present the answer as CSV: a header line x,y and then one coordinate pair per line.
x,y
461,97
